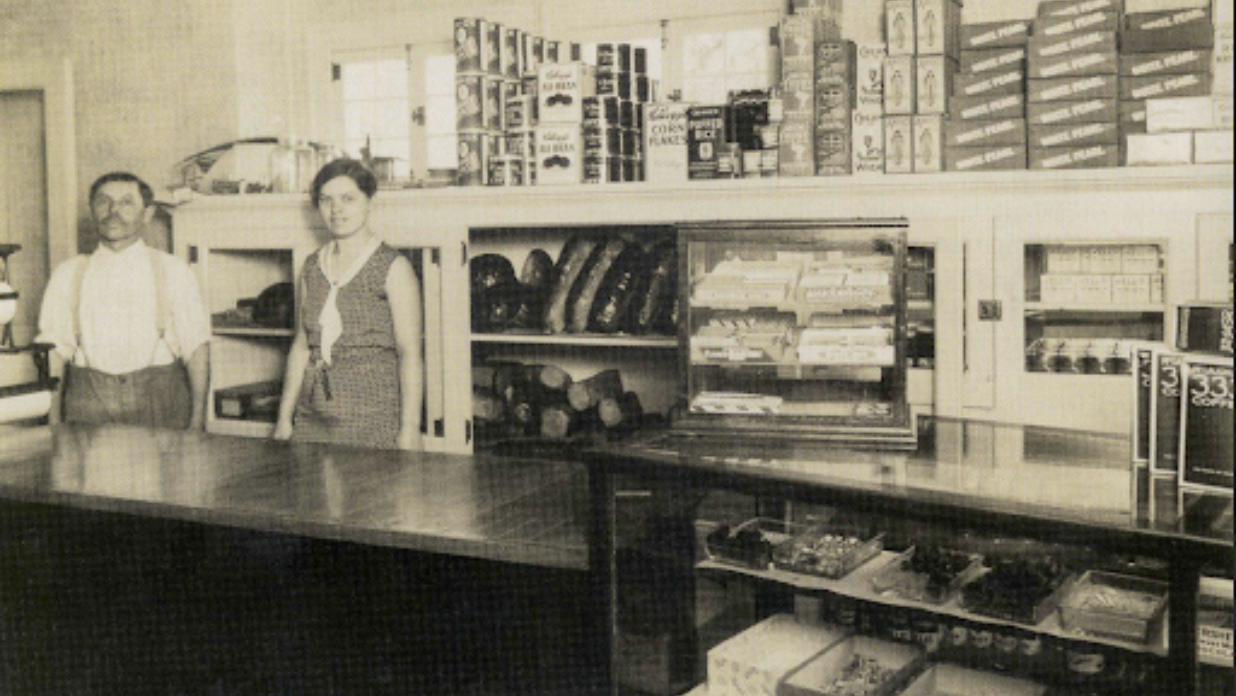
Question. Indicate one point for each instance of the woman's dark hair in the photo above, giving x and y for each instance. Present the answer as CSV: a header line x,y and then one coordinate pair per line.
x,y
354,170
142,186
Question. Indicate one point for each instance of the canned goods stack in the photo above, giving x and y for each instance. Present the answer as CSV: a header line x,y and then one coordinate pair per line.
x,y
496,70
614,118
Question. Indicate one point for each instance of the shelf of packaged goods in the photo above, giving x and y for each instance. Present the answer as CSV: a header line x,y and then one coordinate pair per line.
x,y
1096,307
858,585
598,340
792,369
242,428
802,309
253,332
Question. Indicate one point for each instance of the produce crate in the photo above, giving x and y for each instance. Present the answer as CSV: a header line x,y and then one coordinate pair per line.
x,y
858,664
1113,605
829,552
950,680
955,568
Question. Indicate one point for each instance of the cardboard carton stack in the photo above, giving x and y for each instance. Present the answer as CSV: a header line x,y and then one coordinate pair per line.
x,y
923,44
835,70
1073,86
614,118
799,33
1168,58
867,125
986,128
496,76
561,91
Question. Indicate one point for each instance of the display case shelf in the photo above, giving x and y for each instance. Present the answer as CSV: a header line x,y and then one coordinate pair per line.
x,y
1094,307
858,585
580,340
253,332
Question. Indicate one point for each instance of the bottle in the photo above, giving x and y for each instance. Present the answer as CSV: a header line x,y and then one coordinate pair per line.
x,y
282,165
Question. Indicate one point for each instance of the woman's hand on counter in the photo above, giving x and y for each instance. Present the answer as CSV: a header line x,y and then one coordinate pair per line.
x,y
283,431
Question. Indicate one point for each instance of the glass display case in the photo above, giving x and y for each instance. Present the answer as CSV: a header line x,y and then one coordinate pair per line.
x,y
742,566
796,329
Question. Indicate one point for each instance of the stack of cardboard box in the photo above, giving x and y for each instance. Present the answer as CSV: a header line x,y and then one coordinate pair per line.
x,y
986,128
613,122
561,91
835,70
800,33
923,44
1168,56
1073,84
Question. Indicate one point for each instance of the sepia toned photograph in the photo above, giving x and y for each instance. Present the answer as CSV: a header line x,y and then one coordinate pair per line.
x,y
674,348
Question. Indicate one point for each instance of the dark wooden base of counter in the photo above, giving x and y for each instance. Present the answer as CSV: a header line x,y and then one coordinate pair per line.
x,y
108,603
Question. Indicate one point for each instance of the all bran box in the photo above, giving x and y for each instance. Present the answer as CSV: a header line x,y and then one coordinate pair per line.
x,y
561,90
560,153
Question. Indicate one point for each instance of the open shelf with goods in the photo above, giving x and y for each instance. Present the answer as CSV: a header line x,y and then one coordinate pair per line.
x,y
726,535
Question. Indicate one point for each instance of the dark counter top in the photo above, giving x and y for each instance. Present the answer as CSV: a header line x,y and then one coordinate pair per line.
x,y
511,510
977,471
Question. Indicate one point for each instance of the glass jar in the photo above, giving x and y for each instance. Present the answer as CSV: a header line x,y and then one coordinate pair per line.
x,y
282,166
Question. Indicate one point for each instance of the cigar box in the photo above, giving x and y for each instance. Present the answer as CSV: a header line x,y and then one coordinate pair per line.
x,y
928,143
993,107
1081,157
899,85
1157,86
1158,148
933,77
993,59
898,144
1188,113
1101,20
1072,112
984,132
963,159
1051,48
1062,88
1165,62
1173,30
995,34
899,27
1071,8
1133,116
996,82
1085,134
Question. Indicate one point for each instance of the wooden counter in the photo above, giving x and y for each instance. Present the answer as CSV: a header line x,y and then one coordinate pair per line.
x,y
514,511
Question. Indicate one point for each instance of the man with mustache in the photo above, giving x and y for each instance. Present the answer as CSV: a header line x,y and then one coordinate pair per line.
x,y
128,321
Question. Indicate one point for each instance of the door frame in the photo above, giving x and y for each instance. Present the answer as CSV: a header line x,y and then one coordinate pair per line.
x,y
54,78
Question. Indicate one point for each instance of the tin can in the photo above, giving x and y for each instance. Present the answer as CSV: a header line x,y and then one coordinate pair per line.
x,y
592,109
469,103
510,55
492,111
517,143
630,142
607,59
506,171
516,113
468,45
473,156
613,141
639,60
594,142
628,169
491,49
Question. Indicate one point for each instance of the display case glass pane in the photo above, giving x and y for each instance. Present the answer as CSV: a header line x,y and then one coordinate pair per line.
x,y
797,329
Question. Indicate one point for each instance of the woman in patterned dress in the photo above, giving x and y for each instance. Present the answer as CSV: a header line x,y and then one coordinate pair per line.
x,y
355,374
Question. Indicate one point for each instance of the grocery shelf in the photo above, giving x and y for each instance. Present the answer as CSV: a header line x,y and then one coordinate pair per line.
x,y
242,428
857,585
602,340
